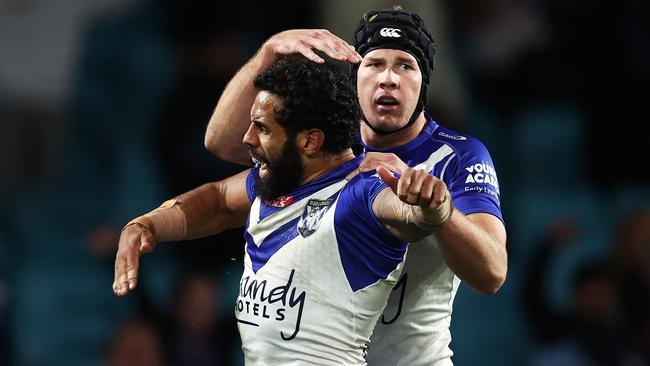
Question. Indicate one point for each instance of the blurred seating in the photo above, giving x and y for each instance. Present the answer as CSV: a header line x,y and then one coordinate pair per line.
x,y
548,142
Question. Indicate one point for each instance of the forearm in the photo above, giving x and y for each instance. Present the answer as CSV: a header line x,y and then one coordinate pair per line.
x,y
410,222
231,117
398,220
206,210
474,248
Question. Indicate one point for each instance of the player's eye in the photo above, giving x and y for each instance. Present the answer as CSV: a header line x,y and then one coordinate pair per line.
x,y
405,67
261,128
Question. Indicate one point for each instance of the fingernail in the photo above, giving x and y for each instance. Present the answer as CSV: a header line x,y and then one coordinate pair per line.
x,y
131,286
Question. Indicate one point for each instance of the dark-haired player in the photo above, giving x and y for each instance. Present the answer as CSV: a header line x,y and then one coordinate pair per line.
x,y
392,79
322,252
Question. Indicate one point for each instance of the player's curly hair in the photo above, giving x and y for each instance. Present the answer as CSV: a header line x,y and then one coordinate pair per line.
x,y
313,96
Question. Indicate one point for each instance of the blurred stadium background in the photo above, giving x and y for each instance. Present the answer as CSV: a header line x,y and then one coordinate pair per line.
x,y
103,105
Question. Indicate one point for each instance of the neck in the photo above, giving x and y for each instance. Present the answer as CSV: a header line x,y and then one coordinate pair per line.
x,y
322,163
373,139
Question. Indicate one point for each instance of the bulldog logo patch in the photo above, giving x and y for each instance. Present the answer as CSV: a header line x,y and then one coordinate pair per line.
x,y
312,215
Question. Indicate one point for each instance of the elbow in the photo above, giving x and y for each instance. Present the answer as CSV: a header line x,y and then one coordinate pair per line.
x,y
494,284
217,148
495,274
491,282
212,145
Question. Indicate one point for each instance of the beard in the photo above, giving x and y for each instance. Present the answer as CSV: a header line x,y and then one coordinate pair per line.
x,y
284,173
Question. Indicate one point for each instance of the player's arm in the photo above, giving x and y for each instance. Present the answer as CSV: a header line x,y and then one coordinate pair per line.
x,y
414,205
474,247
206,210
230,118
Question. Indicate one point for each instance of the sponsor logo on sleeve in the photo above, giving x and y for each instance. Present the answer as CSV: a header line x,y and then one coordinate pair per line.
x,y
482,177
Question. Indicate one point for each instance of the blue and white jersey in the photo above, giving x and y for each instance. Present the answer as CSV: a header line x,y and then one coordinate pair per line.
x,y
414,328
318,269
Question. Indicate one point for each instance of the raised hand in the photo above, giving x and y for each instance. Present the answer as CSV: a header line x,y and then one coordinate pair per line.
x,y
416,187
428,203
135,240
306,41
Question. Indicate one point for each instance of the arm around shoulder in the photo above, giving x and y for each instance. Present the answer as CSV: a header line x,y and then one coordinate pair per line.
x,y
231,116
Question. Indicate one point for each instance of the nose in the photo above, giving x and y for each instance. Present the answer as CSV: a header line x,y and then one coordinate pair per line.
x,y
250,138
388,79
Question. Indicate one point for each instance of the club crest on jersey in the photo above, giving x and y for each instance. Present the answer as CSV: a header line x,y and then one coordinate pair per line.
x,y
311,217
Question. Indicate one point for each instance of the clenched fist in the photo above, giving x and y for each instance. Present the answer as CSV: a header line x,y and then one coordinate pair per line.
x,y
419,188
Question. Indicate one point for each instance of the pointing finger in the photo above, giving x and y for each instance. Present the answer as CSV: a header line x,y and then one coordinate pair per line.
x,y
388,178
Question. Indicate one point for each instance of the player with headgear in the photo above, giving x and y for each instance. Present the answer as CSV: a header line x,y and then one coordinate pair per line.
x,y
396,30
392,73
322,253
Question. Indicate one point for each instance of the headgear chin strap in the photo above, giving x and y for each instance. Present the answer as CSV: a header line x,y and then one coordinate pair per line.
x,y
396,29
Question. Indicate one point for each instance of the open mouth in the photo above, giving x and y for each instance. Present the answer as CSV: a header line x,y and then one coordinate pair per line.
x,y
262,166
256,161
387,100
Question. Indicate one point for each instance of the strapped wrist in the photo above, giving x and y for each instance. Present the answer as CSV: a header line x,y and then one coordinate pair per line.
x,y
433,219
144,221
166,222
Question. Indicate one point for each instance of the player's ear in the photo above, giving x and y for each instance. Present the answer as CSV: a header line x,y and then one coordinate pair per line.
x,y
311,141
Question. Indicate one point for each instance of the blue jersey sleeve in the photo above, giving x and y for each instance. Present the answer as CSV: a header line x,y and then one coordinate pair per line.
x,y
472,179
250,183
357,202
368,251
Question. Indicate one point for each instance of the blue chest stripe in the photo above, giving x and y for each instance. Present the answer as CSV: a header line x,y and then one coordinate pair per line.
x,y
282,235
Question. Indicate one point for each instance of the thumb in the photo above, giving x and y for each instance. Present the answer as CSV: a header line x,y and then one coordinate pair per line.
x,y
147,242
388,178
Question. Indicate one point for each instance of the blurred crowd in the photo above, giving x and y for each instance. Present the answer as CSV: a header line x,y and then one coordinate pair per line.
x,y
606,320
104,105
